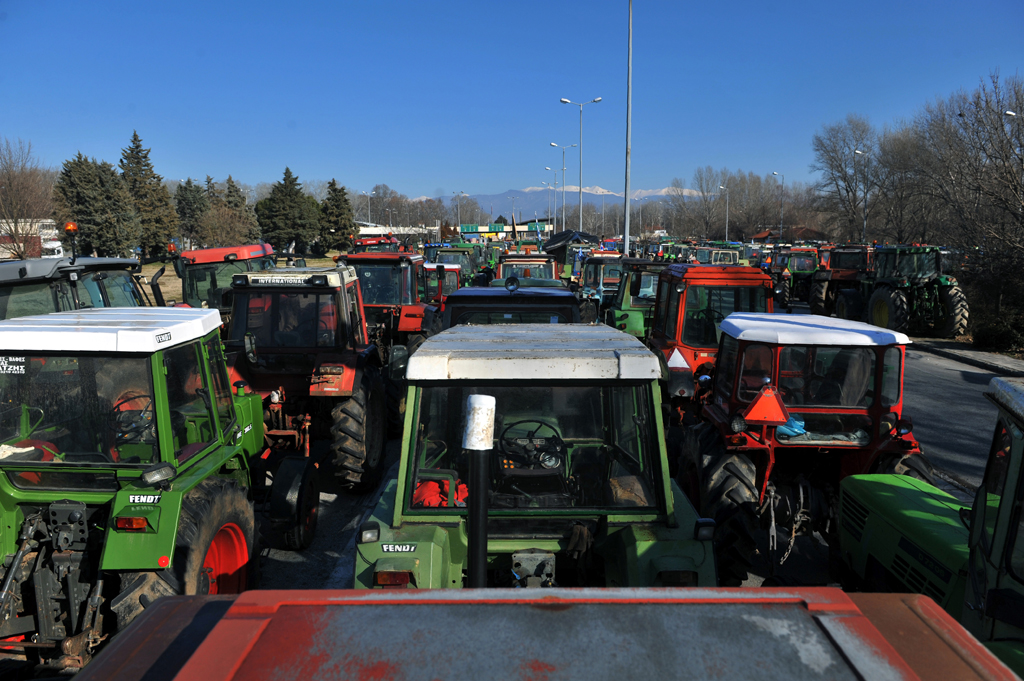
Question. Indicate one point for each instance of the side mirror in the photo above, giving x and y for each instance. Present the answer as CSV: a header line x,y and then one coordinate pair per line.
x,y
680,288
250,348
398,361
227,298
978,510
704,381
904,426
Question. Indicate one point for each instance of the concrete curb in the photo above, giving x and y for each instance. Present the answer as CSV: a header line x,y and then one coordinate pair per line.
x,y
1000,368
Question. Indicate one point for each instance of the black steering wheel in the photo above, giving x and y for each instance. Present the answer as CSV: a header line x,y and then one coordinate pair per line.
x,y
127,424
546,454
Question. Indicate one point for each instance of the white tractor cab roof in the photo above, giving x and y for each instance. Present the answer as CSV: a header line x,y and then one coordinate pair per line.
x,y
1008,393
328,277
806,329
531,352
145,329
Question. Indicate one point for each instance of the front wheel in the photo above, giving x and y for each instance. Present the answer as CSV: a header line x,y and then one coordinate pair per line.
x,y
588,312
783,297
730,497
213,552
819,299
357,434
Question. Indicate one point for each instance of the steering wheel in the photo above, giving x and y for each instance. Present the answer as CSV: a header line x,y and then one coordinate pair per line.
x,y
128,423
546,455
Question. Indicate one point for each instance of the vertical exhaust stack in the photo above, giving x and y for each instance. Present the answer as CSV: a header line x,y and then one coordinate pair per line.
x,y
478,440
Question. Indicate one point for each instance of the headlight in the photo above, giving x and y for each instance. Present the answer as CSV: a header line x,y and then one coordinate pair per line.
x,y
738,424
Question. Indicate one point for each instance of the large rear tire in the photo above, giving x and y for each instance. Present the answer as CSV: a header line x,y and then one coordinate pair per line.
x,y
887,308
955,312
784,296
357,435
916,466
213,552
818,299
588,312
850,305
730,497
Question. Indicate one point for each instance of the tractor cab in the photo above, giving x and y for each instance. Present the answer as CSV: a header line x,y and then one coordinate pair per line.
x,y
465,258
441,281
535,266
430,250
512,301
796,279
599,282
905,535
206,274
562,425
43,285
795,404
632,309
843,270
691,303
380,244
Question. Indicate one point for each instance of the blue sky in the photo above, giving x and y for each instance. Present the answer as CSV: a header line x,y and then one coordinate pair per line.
x,y
434,97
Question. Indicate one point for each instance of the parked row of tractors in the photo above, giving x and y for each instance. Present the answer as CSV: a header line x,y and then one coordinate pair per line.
x,y
143,449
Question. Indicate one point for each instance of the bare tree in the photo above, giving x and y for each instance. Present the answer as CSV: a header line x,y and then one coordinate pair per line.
x,y
26,196
846,176
705,209
315,188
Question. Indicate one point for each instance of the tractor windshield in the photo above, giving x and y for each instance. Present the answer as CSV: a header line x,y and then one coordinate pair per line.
x,y
802,263
450,282
287,319
95,289
857,260
916,265
75,409
703,256
385,284
725,258
207,282
376,248
707,306
526,270
553,447
457,258
648,286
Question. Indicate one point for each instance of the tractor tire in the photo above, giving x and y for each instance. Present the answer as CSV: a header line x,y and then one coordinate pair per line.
x,y
300,535
730,497
588,312
698,445
916,466
357,435
850,305
887,308
214,551
818,299
784,297
955,312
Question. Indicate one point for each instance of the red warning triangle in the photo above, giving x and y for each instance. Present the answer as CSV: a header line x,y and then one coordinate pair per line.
x,y
767,408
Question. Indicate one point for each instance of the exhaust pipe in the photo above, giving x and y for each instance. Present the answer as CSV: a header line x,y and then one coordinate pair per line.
x,y
478,440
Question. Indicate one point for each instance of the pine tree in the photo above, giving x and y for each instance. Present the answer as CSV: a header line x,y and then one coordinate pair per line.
x,y
93,195
288,215
236,201
157,219
191,203
337,223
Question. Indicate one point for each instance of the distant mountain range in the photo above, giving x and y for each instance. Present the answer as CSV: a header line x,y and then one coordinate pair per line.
x,y
536,200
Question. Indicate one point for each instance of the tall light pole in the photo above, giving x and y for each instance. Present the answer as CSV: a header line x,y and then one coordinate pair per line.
x,y
513,200
629,128
368,206
458,207
563,179
782,202
721,186
593,101
554,193
864,208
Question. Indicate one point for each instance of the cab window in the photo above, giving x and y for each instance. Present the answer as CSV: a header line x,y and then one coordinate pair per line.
x,y
725,367
188,398
756,370
221,385
672,316
995,483
662,311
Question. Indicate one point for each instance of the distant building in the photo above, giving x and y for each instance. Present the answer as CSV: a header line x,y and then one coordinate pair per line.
x,y
37,238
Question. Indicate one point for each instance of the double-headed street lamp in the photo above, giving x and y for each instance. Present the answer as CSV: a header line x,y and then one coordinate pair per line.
x,y
563,178
782,202
593,101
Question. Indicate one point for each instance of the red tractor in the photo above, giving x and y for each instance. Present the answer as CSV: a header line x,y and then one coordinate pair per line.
x,y
794,404
377,244
298,338
846,267
206,274
692,301
440,280
399,316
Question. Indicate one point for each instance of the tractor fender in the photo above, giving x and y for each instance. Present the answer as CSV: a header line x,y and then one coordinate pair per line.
x,y
151,549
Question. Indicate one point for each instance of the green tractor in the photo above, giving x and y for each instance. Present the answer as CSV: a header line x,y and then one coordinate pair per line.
x,y
533,455
632,309
909,293
898,534
130,469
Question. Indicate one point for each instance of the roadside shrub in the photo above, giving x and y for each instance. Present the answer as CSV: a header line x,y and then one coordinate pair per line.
x,y
1001,334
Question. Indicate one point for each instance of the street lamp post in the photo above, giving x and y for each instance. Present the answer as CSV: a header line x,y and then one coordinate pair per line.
x,y
368,221
554,187
513,199
458,205
721,186
593,101
563,178
782,203
864,208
